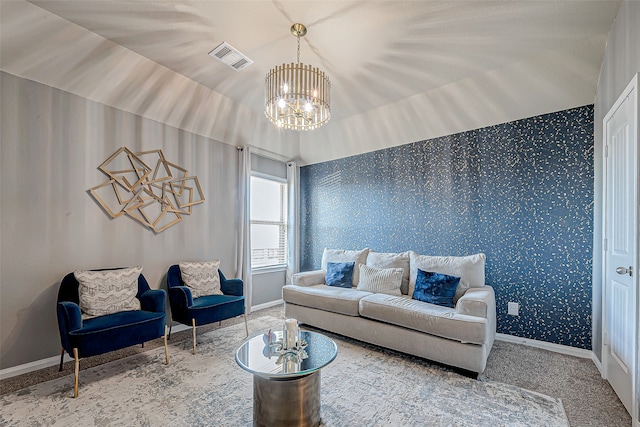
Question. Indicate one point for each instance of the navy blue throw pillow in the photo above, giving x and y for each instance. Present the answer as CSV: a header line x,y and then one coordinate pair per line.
x,y
339,274
435,288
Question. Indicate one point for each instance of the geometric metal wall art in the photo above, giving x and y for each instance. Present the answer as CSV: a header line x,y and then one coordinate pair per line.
x,y
148,188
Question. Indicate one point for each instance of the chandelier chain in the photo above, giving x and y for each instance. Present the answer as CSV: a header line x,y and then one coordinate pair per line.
x,y
298,47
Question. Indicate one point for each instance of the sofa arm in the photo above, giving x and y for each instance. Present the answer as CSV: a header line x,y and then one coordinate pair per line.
x,y
479,302
309,278
153,300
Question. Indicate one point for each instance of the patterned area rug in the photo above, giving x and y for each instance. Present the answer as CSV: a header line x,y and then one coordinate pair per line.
x,y
365,385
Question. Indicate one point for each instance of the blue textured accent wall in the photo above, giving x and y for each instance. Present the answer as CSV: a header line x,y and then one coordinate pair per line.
x,y
521,192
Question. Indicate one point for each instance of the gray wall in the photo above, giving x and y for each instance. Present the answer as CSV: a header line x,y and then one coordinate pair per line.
x,y
621,62
267,287
51,145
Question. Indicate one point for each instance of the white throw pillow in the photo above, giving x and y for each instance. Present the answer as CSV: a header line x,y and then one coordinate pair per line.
x,y
108,291
201,278
337,255
470,270
392,260
380,280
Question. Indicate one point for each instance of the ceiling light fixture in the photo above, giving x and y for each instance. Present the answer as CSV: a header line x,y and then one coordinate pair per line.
x,y
297,96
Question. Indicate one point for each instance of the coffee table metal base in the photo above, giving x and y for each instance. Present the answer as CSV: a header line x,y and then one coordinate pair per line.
x,y
286,402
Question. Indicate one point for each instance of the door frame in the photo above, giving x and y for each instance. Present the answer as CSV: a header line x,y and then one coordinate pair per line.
x,y
635,364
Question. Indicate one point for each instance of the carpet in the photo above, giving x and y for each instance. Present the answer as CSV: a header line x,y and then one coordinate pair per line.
x,y
364,386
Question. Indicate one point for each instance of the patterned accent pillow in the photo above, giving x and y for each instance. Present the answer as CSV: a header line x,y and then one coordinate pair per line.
x,y
108,291
201,278
380,280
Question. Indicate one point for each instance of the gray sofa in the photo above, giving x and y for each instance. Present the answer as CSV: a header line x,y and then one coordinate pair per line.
x,y
461,336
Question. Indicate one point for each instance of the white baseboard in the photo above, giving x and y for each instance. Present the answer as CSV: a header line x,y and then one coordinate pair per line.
x,y
557,348
598,364
32,366
266,305
55,360
179,327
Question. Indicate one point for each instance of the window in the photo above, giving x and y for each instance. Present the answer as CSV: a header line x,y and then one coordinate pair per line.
x,y
268,222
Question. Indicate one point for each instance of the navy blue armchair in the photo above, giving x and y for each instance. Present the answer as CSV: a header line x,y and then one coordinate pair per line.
x,y
97,335
206,309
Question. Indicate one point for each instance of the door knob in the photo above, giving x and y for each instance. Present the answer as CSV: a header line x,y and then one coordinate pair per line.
x,y
623,270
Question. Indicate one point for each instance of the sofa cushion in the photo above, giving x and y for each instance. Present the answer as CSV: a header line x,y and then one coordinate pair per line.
x,y
327,298
380,280
339,274
121,319
102,292
392,260
435,288
102,334
470,270
337,255
424,317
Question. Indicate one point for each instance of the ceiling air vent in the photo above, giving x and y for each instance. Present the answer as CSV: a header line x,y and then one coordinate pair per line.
x,y
230,57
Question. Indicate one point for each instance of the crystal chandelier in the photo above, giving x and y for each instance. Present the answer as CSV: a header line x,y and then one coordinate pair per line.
x,y
297,96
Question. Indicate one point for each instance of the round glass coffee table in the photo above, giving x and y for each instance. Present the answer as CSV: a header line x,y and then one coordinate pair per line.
x,y
286,384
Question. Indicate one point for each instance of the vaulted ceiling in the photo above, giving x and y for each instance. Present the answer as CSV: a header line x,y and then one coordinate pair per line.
x,y
384,58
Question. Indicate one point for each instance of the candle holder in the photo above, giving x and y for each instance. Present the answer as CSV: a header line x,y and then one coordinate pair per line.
x,y
290,334
295,353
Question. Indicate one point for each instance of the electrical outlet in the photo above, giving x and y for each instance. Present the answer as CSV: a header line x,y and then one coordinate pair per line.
x,y
513,308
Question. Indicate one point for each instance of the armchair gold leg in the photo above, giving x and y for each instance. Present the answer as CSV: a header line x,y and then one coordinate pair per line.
x,y
77,372
193,323
246,328
166,349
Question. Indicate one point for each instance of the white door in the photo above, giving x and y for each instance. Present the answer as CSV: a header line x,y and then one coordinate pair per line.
x,y
621,245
